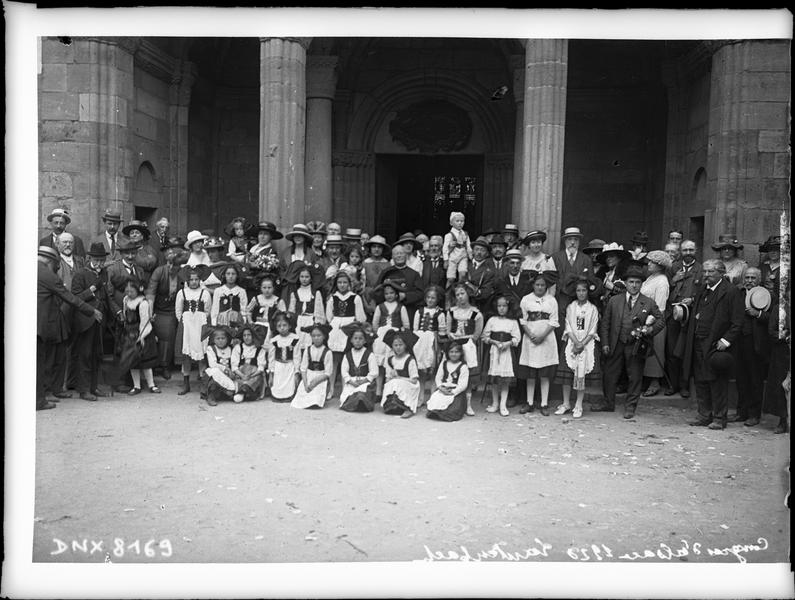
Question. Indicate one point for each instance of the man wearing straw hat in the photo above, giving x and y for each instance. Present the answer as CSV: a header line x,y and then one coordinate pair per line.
x,y
59,218
571,263
52,329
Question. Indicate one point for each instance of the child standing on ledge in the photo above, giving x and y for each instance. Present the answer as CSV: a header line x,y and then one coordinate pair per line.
x,y
456,250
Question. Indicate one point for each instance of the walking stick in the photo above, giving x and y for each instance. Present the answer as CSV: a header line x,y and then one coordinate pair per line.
x,y
662,366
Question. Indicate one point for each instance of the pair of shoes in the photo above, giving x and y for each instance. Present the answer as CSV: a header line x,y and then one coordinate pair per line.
x,y
154,389
751,422
651,392
123,389
782,426
526,408
669,392
88,396
62,395
545,411
407,414
685,393
562,409
700,422
576,413
504,412
629,414
98,393
491,409
737,417
717,425
602,408
238,398
134,391
45,406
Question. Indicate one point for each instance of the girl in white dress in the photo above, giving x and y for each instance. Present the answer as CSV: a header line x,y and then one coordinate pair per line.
x,y
465,324
316,366
539,357
249,361
449,401
284,360
305,306
402,387
229,300
580,336
359,371
343,308
429,321
263,306
501,333
192,309
390,315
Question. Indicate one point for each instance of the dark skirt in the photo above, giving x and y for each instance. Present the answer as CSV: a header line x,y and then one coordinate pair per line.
x,y
394,405
454,412
525,372
359,402
134,356
165,330
775,402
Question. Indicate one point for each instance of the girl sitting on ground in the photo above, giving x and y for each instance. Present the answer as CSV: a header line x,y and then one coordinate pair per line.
x,y
284,360
449,401
220,386
359,371
316,366
501,333
249,361
465,324
402,387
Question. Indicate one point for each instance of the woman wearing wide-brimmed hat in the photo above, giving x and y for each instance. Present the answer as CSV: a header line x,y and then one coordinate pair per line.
x,y
535,259
728,249
300,255
147,257
374,265
640,243
262,256
317,229
195,245
770,266
656,287
613,260
412,246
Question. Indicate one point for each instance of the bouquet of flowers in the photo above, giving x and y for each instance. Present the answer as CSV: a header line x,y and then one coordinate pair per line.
x,y
643,345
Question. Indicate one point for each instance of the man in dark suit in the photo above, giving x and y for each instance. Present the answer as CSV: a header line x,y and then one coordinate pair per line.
x,y
111,237
686,277
118,273
480,276
714,328
498,249
433,271
90,285
52,329
754,355
59,218
570,264
627,319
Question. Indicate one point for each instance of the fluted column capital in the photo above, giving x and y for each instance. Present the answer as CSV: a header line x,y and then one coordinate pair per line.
x,y
321,77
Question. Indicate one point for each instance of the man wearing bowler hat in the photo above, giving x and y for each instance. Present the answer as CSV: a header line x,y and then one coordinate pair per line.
x,y
716,322
90,285
52,329
498,249
111,237
753,349
59,218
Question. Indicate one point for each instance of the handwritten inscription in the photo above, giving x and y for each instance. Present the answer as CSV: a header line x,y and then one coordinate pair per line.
x,y
599,552
118,548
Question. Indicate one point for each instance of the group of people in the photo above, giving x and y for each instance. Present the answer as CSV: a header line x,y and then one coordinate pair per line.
x,y
423,321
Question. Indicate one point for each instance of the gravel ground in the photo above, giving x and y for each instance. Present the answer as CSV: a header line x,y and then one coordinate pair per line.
x,y
263,482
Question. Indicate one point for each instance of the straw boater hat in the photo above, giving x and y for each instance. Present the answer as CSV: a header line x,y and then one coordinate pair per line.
x,y
681,312
193,237
759,298
614,249
594,246
640,238
59,212
660,258
377,240
352,234
270,228
482,241
772,243
113,216
50,253
407,238
511,228
532,235
300,230
334,240
571,232
727,240
514,253
97,249
140,226
317,227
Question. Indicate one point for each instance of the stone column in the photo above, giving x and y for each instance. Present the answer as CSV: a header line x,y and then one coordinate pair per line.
x,y
179,108
518,64
282,129
321,82
354,189
540,198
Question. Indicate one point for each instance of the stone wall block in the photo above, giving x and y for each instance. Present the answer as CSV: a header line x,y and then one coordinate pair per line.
x,y
53,78
55,184
770,56
144,125
782,165
764,115
151,105
58,106
773,141
766,87
55,52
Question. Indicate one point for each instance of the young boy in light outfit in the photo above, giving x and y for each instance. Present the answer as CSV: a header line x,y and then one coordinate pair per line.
x,y
456,250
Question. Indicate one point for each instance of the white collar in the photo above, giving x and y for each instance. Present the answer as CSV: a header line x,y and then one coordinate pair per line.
x,y
712,288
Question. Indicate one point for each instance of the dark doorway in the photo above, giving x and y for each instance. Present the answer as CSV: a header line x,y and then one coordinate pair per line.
x,y
420,192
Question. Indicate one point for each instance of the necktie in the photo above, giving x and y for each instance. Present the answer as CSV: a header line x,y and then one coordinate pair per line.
x,y
571,258
112,245
435,263
513,281
631,303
